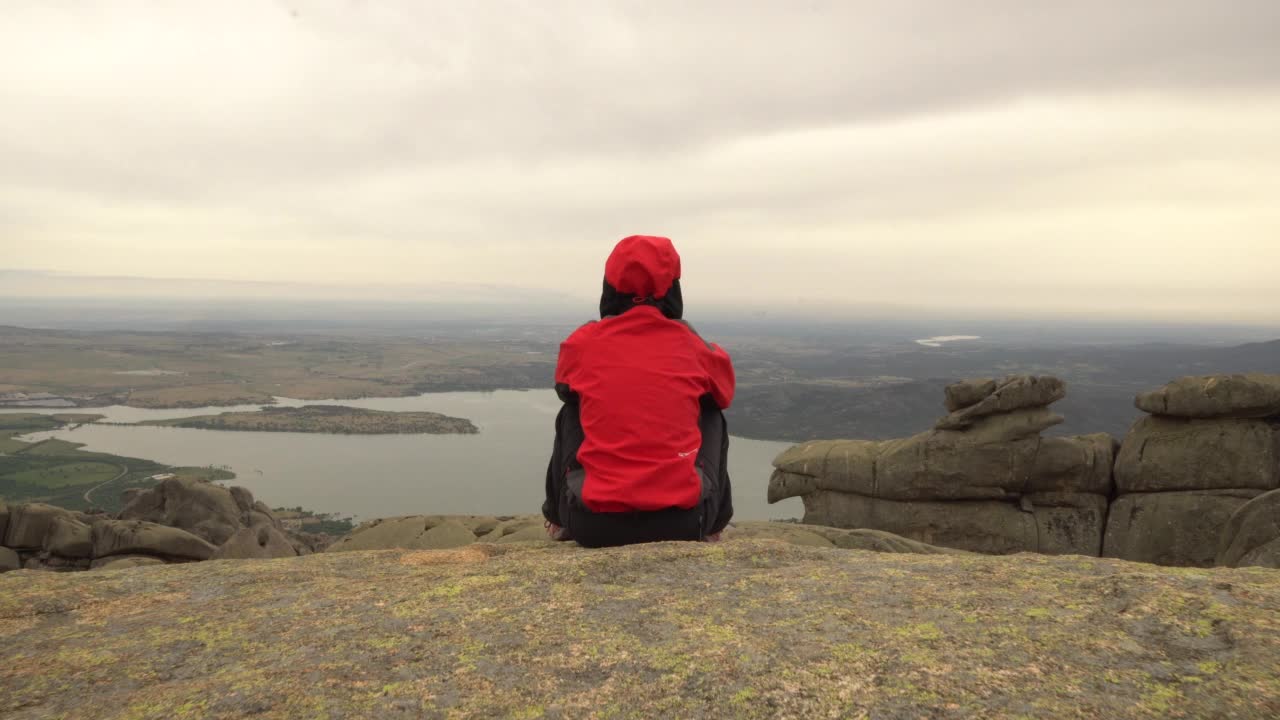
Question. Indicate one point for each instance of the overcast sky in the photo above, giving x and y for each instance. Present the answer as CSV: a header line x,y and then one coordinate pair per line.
x,y
1097,158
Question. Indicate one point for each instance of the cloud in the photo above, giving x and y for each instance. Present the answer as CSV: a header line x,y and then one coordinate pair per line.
x,y
1095,157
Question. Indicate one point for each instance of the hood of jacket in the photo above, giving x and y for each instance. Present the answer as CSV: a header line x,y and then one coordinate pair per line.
x,y
642,270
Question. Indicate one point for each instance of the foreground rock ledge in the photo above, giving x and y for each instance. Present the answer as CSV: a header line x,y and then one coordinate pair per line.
x,y
746,628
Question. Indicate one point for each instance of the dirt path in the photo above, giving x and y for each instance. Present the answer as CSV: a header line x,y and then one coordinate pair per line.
x,y
88,493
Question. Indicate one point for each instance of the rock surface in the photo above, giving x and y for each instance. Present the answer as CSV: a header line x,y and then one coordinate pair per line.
x,y
69,538
1047,523
983,480
415,532
29,523
1168,454
436,532
257,543
746,628
120,562
9,560
986,480
1019,392
1171,528
1254,395
1255,525
124,537
1267,556
205,509
945,466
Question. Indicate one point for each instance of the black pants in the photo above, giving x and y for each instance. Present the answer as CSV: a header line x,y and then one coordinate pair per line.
x,y
565,508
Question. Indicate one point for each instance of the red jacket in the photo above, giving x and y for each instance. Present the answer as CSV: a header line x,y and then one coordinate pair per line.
x,y
639,378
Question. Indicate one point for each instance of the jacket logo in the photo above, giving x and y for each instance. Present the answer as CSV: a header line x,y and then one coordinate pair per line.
x,y
687,454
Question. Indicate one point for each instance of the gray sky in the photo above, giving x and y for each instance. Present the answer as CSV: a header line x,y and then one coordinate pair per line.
x,y
1089,158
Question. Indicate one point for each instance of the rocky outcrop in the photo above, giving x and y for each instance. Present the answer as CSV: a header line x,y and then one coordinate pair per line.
x,y
984,479
69,538
208,510
121,562
192,516
971,400
1163,454
137,537
29,524
1251,536
259,543
1171,528
749,628
220,515
1212,445
1215,396
430,532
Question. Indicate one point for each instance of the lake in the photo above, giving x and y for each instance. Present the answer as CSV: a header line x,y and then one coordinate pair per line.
x,y
500,471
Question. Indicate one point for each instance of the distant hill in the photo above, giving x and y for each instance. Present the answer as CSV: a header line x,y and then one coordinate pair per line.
x,y
892,391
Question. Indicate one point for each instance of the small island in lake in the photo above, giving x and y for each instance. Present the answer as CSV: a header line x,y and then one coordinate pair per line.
x,y
327,419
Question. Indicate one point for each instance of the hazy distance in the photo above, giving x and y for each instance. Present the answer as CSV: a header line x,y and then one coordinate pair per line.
x,y
1087,160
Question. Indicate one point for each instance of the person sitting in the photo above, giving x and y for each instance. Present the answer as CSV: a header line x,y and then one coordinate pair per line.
x,y
641,444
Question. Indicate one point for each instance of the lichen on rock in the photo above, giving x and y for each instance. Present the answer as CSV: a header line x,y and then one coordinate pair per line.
x,y
749,628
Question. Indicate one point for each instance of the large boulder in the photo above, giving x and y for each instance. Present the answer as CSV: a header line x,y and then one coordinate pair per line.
x,y
523,528
9,560
45,560
1253,525
1171,528
1267,556
1079,464
946,465
416,532
965,393
1215,396
259,542
1060,522
211,511
29,524
1163,454
840,465
129,537
69,538
967,402
4,520
120,562
1067,523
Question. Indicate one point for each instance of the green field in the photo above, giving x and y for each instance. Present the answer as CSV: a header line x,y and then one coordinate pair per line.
x,y
21,423
66,474
60,473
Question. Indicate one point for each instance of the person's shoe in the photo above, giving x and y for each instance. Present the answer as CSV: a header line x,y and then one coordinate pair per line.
x,y
555,532
712,538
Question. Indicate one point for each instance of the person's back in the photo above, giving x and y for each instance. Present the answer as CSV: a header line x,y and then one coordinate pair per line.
x,y
641,444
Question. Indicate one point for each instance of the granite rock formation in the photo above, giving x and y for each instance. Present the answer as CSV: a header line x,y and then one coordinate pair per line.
x,y
1211,445
179,520
986,479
